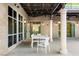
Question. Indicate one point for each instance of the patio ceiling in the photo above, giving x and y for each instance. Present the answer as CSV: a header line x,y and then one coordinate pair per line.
x,y
39,9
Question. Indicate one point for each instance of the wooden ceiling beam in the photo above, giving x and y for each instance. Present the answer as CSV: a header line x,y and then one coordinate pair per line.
x,y
39,8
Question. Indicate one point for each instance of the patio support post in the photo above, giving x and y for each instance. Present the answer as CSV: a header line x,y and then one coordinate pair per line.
x,y
23,28
17,28
51,30
63,49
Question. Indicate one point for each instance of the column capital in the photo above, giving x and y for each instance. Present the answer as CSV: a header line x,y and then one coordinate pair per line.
x,y
63,10
51,17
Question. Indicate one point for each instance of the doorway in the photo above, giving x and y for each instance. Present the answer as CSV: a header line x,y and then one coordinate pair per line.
x,y
35,28
70,29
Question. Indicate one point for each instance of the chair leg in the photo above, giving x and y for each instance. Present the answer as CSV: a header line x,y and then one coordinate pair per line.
x,y
49,48
37,47
45,50
31,44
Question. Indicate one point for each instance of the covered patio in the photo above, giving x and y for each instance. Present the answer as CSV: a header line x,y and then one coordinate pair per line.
x,y
58,21
24,49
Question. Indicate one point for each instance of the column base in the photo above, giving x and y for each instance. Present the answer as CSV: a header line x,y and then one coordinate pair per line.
x,y
51,40
64,52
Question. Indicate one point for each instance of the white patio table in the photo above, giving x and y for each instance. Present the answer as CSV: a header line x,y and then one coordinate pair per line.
x,y
38,38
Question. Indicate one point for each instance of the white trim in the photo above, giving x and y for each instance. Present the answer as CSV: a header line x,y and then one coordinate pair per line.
x,y
17,28
23,29
51,30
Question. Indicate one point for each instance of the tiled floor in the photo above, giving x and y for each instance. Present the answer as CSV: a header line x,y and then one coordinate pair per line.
x,y
24,49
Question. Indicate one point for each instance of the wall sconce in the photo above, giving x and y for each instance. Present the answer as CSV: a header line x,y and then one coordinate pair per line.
x,y
42,23
59,22
16,5
24,21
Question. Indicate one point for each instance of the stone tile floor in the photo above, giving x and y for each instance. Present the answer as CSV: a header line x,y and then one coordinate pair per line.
x,y
24,49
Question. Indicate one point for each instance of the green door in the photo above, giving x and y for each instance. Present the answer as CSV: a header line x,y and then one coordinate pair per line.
x,y
69,29
73,30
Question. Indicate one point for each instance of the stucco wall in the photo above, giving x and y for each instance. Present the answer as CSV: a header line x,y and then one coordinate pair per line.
x,y
55,30
3,27
45,28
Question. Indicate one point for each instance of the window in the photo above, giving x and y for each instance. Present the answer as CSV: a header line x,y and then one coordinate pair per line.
x,y
15,26
9,41
25,31
9,11
20,34
21,26
15,39
19,16
12,27
19,37
15,14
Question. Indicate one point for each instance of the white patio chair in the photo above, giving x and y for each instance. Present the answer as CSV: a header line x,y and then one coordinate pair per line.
x,y
39,34
34,39
44,44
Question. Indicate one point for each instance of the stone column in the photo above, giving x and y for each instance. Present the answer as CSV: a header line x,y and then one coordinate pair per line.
x,y
63,32
51,30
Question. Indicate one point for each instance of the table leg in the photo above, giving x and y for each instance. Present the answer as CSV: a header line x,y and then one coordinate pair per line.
x,y
32,44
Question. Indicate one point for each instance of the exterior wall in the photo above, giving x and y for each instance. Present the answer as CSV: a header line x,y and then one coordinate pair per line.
x,y
55,30
45,28
45,25
4,25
